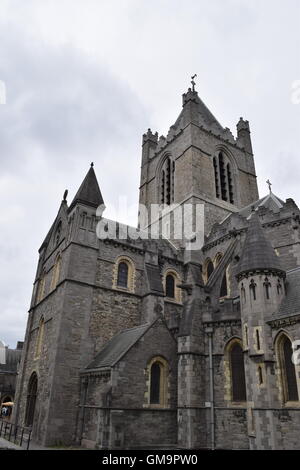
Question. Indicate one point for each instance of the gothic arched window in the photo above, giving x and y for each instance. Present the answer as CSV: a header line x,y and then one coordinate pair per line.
x,y
209,269
223,290
122,280
279,287
287,369
238,382
218,259
223,178
31,399
167,182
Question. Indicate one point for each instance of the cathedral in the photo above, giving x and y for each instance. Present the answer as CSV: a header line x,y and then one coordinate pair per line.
x,y
135,343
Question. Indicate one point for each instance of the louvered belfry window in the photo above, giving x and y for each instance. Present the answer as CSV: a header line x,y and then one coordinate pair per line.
x,y
237,373
167,182
223,178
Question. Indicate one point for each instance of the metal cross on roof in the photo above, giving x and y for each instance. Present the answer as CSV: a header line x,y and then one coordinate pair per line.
x,y
269,184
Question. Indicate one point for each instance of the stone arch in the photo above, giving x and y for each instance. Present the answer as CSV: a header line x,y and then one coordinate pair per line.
x,y
226,174
234,371
217,259
208,269
177,295
287,371
157,380
126,265
165,176
6,398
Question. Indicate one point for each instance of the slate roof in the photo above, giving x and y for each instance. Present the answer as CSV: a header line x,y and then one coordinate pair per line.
x,y
290,304
271,202
89,192
257,251
115,349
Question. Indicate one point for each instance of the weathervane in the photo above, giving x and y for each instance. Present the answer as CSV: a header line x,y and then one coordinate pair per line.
x,y
269,184
192,82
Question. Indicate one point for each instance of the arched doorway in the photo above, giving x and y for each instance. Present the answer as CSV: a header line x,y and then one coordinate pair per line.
x,y
31,399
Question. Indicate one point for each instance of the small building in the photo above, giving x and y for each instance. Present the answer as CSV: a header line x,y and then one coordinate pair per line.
x,y
9,362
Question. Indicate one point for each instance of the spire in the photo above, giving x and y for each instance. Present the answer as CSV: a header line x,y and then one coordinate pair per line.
x,y
257,252
89,192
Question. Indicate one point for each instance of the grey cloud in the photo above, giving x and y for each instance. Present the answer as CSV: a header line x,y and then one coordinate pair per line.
x,y
63,110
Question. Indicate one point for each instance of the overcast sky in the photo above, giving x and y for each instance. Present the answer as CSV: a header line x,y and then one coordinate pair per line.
x,y
86,78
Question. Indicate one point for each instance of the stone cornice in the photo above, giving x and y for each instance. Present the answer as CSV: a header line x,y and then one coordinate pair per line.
x,y
228,236
266,271
286,321
273,223
222,323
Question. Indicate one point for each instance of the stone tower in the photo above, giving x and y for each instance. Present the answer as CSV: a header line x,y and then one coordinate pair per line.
x,y
261,283
198,162
57,341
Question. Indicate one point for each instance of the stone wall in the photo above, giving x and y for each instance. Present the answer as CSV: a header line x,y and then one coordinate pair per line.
x,y
132,421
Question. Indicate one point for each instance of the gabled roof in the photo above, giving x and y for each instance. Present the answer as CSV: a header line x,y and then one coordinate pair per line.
x,y
257,251
89,192
118,346
270,202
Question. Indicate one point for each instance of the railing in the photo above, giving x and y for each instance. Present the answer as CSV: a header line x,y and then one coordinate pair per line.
x,y
19,435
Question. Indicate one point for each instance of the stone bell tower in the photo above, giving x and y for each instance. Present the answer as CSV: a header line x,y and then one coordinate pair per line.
x,y
199,161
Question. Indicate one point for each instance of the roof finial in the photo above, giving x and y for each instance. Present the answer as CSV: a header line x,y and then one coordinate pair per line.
x,y
92,164
192,82
269,184
65,195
